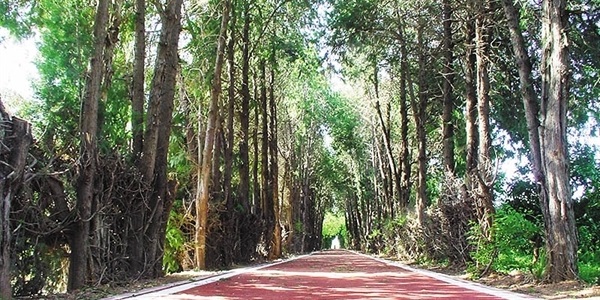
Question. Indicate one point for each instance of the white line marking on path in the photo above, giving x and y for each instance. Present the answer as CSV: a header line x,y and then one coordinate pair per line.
x,y
154,293
454,281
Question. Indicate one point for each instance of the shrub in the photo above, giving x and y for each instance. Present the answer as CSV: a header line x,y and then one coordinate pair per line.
x,y
511,248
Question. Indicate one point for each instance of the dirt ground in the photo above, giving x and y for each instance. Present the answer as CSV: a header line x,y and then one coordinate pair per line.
x,y
526,284
521,283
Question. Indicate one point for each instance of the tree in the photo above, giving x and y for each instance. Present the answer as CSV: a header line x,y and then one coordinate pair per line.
x,y
155,201
548,143
204,176
484,173
88,143
448,89
137,87
556,199
16,137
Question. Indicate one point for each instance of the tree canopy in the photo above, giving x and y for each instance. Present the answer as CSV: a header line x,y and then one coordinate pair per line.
x,y
175,135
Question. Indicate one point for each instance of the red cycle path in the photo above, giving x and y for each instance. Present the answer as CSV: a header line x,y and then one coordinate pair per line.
x,y
336,275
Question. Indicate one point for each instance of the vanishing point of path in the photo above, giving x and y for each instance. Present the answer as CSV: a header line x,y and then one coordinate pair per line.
x,y
333,274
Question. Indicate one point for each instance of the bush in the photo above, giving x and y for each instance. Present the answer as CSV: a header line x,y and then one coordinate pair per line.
x,y
511,248
174,243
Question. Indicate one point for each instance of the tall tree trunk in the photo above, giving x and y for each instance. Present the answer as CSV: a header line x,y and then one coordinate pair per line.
x,y
484,174
557,202
159,199
16,134
392,168
87,169
547,142
447,89
471,107
205,178
244,187
420,115
256,192
274,168
137,89
530,98
99,235
405,144
146,245
230,202
266,180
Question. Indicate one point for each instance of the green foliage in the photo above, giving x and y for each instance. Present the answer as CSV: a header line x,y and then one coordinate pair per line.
x,y
334,225
589,267
16,16
511,248
585,178
174,242
64,51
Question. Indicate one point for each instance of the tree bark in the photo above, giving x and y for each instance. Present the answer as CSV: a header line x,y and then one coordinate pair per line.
x,y
447,89
78,268
392,167
420,115
244,169
266,180
16,134
547,139
561,234
159,200
150,207
205,178
530,99
137,89
230,222
405,144
484,171
471,105
274,168
256,192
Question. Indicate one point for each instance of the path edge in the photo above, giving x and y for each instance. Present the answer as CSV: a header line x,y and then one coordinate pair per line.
x,y
176,287
475,286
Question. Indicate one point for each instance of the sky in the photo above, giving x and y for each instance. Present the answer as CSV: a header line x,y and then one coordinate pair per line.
x,y
17,70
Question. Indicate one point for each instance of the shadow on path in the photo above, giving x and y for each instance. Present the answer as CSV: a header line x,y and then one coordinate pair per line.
x,y
333,274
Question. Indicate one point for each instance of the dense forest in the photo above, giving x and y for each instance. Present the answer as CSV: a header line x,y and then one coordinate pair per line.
x,y
171,135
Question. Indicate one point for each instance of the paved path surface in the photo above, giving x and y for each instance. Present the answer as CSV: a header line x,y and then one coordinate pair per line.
x,y
331,275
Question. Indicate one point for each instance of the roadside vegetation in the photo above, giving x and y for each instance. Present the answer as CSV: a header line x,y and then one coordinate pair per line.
x,y
173,135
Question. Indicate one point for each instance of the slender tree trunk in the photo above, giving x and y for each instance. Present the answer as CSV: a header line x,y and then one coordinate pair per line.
x,y
405,144
231,218
420,115
471,106
557,202
137,89
16,134
378,163
256,192
205,178
530,99
266,179
484,172
146,248
447,88
78,271
392,167
274,168
244,169
159,200
99,257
